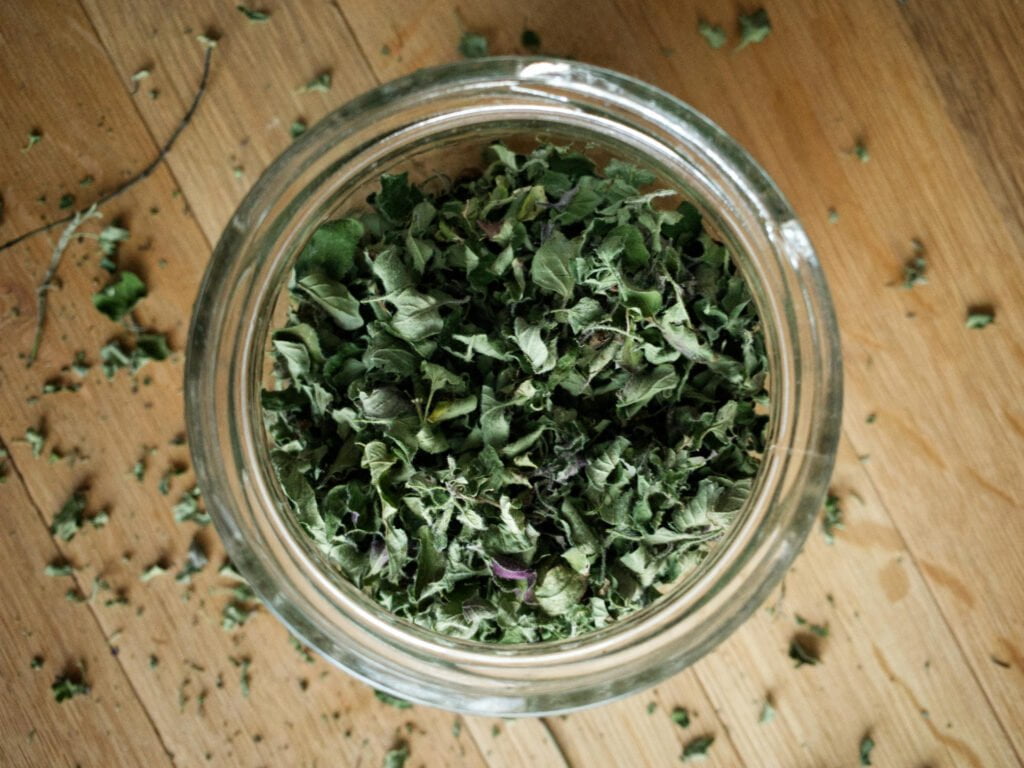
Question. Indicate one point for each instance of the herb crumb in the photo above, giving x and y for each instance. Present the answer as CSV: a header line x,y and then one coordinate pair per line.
x,y
681,717
833,517
395,758
530,40
34,137
866,745
767,711
392,701
697,749
319,84
979,318
473,46
712,33
253,15
803,650
754,28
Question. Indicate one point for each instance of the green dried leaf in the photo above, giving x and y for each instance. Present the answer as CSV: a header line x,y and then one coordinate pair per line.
x,y
696,750
866,745
395,758
979,318
832,519
473,46
68,521
67,686
392,701
319,84
119,297
713,33
681,717
754,27
253,15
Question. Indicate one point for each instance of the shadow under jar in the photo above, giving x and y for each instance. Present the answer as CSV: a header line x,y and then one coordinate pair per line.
x,y
440,121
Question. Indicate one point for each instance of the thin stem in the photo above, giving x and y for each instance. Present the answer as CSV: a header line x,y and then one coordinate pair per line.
x,y
44,287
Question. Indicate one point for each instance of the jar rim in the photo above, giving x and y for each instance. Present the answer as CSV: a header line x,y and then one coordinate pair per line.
x,y
417,664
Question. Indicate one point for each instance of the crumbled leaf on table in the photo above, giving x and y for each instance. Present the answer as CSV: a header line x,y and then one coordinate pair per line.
x,y
754,28
473,46
712,33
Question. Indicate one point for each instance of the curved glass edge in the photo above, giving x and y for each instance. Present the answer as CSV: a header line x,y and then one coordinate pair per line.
x,y
208,324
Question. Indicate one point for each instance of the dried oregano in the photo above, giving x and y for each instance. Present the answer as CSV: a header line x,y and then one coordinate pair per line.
x,y
516,408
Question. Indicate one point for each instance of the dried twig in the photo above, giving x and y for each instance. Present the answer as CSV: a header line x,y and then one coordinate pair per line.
x,y
44,287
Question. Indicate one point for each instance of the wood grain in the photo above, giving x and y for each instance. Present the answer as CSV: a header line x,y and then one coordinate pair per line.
x,y
926,580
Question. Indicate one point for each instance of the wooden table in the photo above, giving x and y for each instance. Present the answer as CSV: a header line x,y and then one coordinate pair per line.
x,y
923,590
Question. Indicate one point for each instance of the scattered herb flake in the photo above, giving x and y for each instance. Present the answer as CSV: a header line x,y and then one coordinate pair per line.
x,y
395,758
681,717
712,33
34,137
319,84
979,318
802,651
152,572
833,215
530,40
860,151
195,561
58,569
866,745
252,15
68,520
244,679
999,662
100,519
473,46
67,686
651,706
66,201
871,418
302,650
137,77
208,39
754,28
767,711
916,267
821,630
36,662
697,749
188,510
832,520
392,701
36,441
118,298
298,128
154,662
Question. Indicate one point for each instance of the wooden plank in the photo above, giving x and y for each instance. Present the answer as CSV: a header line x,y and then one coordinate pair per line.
x,y
35,729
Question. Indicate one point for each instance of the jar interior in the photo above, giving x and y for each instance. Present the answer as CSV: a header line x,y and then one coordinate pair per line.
x,y
455,148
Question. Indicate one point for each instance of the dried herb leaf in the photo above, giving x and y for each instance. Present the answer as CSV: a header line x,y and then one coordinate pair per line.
x,y
253,15
713,33
681,717
754,27
979,318
395,758
866,745
473,46
392,701
68,521
696,750
832,519
319,84
118,298
530,40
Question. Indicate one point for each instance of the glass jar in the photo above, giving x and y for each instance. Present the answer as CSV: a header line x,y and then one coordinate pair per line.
x,y
438,121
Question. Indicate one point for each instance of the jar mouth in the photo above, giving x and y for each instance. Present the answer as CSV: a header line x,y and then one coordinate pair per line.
x,y
441,110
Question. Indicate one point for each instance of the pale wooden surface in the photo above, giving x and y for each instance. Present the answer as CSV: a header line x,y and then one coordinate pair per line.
x,y
927,579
